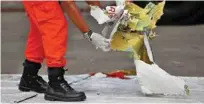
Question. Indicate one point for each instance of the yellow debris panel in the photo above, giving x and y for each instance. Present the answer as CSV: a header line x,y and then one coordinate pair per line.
x,y
131,36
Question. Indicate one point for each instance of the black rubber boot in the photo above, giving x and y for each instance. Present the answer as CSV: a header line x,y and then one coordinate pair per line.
x,y
30,81
59,89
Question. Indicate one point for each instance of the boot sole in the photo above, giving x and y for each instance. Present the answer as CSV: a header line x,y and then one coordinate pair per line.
x,y
26,89
54,98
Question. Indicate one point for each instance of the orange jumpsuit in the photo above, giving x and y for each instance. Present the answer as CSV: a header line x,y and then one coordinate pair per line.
x,y
48,34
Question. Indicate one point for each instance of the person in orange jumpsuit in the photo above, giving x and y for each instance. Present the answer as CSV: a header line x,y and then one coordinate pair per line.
x,y
47,40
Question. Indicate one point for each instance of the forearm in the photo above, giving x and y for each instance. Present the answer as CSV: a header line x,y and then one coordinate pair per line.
x,y
95,3
73,12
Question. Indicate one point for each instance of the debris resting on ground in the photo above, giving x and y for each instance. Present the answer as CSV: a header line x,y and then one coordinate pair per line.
x,y
133,28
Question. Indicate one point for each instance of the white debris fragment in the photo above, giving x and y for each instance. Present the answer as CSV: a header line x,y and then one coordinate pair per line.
x,y
110,14
154,80
99,75
114,12
99,15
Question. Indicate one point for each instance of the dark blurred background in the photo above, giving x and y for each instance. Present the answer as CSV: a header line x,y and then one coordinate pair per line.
x,y
178,49
180,12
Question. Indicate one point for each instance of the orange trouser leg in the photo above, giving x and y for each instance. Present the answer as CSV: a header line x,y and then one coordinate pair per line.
x,y
34,48
52,25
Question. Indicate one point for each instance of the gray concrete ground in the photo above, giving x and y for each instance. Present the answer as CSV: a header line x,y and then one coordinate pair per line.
x,y
99,89
179,50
